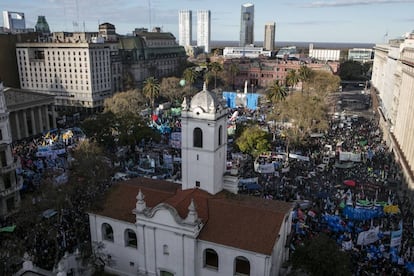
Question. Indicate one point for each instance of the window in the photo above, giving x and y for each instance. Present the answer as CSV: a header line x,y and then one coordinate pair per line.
x,y
130,238
165,249
107,232
197,183
242,266
166,273
3,160
220,135
198,138
211,259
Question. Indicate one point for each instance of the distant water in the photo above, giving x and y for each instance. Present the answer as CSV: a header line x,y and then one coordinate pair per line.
x,y
279,44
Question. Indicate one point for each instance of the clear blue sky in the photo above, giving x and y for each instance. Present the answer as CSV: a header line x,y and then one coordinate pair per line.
x,y
366,21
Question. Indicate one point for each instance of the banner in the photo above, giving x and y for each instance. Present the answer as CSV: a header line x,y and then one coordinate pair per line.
x,y
368,237
266,168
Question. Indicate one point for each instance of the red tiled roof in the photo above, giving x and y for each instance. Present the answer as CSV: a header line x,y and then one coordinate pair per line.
x,y
244,222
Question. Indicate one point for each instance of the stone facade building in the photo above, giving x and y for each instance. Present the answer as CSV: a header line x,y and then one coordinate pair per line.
x,y
392,87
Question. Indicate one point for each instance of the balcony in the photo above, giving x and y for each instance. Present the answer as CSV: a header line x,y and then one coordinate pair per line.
x,y
8,168
12,189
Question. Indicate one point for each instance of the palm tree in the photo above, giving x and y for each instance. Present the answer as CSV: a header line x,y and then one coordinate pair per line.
x,y
151,89
234,70
292,78
276,92
190,76
305,74
215,67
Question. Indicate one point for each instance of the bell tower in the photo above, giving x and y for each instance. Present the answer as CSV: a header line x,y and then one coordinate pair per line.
x,y
204,142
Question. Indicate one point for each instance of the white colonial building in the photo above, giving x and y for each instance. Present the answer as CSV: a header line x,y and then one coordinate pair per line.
x,y
155,227
393,84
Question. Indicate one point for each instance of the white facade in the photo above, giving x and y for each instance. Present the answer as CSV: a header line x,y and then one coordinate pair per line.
x,y
196,228
10,182
247,51
324,54
269,37
185,30
204,30
393,81
360,54
78,74
204,143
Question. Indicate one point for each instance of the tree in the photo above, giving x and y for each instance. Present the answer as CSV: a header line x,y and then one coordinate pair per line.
x,y
352,70
292,78
323,83
322,257
100,129
190,75
253,141
128,81
234,70
171,89
305,73
276,92
215,67
151,89
129,101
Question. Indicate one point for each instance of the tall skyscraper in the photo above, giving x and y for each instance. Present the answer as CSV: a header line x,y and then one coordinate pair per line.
x,y
14,21
185,27
246,24
204,29
269,36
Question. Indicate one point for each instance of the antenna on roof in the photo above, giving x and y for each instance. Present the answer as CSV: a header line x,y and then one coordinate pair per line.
x,y
149,14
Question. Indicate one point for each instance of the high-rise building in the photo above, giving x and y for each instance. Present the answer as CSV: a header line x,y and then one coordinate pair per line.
x,y
41,25
247,24
185,28
204,29
269,37
14,21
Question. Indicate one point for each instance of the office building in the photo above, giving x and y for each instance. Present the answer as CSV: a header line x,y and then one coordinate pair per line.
x,y
185,28
199,227
78,74
393,85
269,36
324,54
204,30
10,182
14,22
247,25
150,54
361,54
42,27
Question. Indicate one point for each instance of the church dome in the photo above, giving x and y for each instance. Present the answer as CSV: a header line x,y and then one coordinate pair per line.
x,y
206,101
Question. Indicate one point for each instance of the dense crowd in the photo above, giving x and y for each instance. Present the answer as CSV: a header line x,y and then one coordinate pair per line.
x,y
349,200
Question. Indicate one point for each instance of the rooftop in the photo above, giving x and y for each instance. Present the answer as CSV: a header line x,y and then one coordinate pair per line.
x,y
238,221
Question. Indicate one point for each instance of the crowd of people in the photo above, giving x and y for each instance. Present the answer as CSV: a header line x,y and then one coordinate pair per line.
x,y
347,184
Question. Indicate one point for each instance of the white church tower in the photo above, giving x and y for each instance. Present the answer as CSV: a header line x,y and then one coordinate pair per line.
x,y
204,142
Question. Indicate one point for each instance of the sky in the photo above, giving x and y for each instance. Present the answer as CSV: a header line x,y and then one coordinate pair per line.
x,y
358,21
